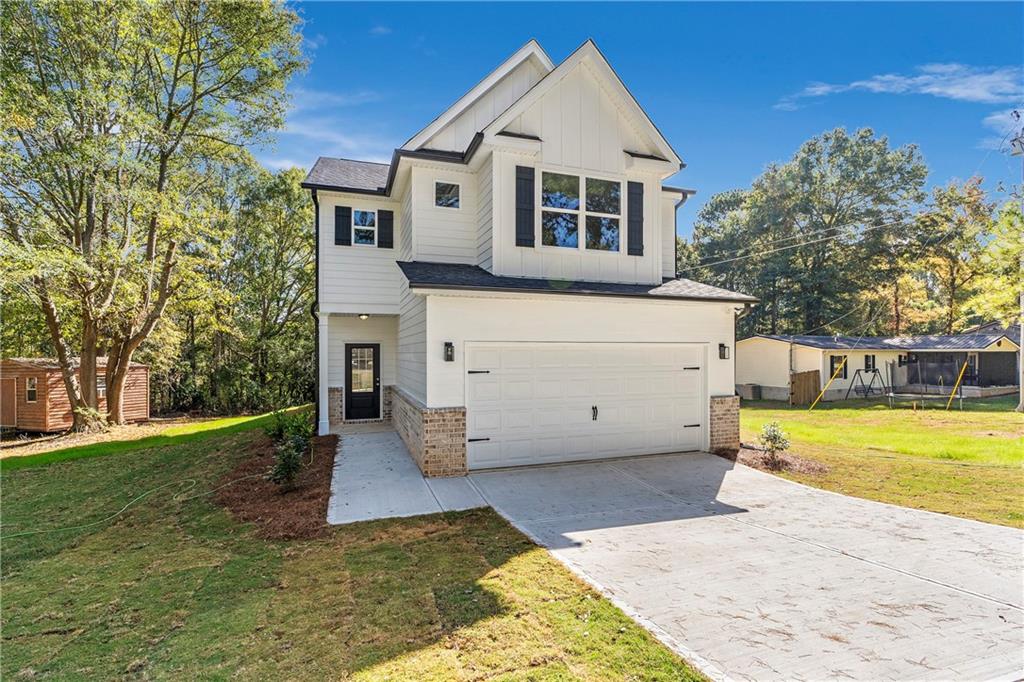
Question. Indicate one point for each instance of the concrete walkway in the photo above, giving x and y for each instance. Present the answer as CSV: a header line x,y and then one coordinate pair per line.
x,y
375,478
754,577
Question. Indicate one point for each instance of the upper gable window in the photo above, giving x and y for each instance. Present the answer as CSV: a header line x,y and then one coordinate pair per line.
x,y
446,194
599,211
364,227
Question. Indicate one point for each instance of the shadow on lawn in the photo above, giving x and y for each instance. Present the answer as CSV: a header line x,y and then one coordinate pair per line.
x,y
176,435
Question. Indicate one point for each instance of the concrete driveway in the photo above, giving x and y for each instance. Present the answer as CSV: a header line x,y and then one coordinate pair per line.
x,y
753,577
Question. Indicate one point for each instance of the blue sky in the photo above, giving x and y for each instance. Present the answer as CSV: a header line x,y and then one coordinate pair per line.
x,y
732,86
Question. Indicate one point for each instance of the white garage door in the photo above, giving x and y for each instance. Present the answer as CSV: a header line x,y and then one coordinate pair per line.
x,y
535,403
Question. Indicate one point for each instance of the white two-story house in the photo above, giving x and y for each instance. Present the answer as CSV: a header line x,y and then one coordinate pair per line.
x,y
504,291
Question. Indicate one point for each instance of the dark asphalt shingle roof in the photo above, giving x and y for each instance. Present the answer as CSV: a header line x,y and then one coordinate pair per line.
x,y
348,174
460,276
909,343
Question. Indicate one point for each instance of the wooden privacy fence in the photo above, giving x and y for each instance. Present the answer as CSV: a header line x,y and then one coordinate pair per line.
x,y
804,387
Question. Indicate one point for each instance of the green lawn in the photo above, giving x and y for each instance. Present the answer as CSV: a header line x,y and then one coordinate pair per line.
x,y
178,589
968,463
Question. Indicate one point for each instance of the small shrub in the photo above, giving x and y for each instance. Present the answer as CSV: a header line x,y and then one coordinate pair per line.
x,y
285,424
288,460
775,442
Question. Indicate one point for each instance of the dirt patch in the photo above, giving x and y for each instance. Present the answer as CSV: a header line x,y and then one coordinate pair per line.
x,y
295,513
754,457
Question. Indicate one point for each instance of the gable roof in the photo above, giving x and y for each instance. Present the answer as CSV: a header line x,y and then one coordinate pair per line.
x,y
589,52
531,50
934,342
427,275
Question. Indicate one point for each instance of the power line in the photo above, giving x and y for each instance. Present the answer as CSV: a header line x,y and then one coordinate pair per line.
x,y
786,248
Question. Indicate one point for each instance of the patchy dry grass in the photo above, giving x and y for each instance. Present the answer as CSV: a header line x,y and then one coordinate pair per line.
x,y
176,588
968,464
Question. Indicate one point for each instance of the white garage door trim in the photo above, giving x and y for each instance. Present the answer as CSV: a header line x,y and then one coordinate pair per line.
x,y
534,402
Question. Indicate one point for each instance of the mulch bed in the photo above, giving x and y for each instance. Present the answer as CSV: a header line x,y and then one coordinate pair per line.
x,y
754,457
295,513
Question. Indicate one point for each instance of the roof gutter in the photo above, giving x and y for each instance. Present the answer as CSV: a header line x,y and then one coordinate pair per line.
x,y
568,292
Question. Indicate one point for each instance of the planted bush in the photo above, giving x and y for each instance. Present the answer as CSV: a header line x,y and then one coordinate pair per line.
x,y
288,460
292,433
775,442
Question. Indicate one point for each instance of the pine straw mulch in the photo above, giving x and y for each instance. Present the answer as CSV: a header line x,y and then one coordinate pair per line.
x,y
298,512
754,457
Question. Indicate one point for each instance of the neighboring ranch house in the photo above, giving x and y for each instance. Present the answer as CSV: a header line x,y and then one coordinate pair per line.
x,y
33,397
504,290
905,363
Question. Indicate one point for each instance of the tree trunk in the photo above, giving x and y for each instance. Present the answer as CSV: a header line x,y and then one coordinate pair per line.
x,y
64,358
896,308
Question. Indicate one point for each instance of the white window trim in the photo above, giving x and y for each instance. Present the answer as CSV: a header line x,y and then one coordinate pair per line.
x,y
448,182
101,390
352,236
35,388
581,213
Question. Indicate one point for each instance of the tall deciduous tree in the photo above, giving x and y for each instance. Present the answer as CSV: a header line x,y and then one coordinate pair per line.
x,y
116,119
961,218
813,232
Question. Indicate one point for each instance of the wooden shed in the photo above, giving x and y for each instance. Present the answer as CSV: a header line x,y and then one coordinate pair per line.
x,y
33,397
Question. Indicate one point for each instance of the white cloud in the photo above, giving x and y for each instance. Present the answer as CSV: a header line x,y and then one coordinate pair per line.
x,y
380,30
985,85
304,99
313,43
1002,125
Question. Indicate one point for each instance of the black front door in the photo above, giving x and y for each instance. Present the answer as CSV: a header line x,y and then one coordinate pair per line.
x,y
362,381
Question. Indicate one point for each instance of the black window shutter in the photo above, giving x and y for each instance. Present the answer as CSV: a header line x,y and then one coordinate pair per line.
x,y
635,218
385,229
524,206
343,226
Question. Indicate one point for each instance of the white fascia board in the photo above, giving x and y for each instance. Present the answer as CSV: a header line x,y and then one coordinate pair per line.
x,y
359,309
513,144
531,50
662,167
587,51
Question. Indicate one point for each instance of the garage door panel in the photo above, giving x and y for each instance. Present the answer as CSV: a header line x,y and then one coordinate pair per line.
x,y
536,403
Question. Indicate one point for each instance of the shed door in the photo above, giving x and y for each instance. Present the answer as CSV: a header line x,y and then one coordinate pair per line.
x,y
537,403
8,402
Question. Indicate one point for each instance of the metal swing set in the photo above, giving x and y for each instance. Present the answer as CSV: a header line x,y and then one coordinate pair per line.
x,y
867,389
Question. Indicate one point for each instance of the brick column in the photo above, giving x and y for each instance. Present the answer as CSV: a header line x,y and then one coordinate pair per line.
x,y
435,436
725,424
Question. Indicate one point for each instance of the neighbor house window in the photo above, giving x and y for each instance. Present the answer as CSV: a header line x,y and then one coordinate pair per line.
x,y
446,195
31,394
834,361
571,202
869,362
101,387
901,360
364,227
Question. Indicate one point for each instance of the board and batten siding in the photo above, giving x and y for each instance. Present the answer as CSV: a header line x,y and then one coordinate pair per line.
x,y
342,329
581,126
412,344
484,214
358,279
457,135
444,235
568,319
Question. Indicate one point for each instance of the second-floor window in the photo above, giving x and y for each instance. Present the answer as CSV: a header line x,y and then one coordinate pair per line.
x,y
446,195
364,227
570,203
